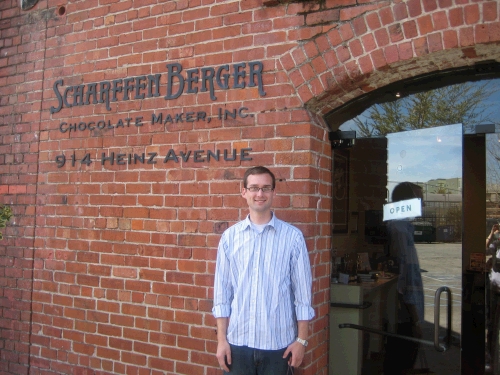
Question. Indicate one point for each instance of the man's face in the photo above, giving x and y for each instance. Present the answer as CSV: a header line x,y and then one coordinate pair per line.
x,y
259,201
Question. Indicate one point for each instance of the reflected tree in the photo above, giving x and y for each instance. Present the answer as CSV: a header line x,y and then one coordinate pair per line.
x,y
463,103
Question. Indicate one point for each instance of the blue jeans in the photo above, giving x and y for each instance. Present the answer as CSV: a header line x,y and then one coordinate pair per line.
x,y
250,361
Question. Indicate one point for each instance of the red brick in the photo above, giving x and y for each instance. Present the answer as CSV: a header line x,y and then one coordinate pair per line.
x,y
17,189
299,57
335,37
319,65
456,17
391,54
359,24
425,25
381,36
133,358
369,42
307,72
494,31
450,39
270,38
303,34
365,64
490,11
466,37
352,68
420,46
343,53
396,33
414,8
373,21
471,13
356,48
330,15
386,16
434,42
400,11
133,310
429,5
440,20
346,32
481,34
378,58
161,364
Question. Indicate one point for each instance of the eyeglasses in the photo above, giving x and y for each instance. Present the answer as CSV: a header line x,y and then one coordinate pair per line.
x,y
255,189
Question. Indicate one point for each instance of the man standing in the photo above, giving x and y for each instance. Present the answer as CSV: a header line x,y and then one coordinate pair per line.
x,y
262,290
401,354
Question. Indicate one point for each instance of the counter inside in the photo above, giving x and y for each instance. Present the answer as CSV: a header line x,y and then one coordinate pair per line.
x,y
349,347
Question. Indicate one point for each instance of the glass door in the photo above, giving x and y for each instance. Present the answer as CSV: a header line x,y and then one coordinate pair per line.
x,y
426,246
406,190
416,204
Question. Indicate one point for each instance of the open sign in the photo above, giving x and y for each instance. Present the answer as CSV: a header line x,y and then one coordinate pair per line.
x,y
403,209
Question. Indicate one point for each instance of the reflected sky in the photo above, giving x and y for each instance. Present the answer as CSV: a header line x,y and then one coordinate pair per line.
x,y
425,154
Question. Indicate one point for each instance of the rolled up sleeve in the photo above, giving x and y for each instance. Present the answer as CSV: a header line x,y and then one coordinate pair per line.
x,y
302,281
223,290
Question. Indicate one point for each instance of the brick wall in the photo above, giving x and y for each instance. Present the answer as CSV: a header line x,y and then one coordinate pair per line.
x,y
21,79
108,266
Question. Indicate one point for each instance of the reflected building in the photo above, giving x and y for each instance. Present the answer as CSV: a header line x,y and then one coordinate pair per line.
x,y
493,201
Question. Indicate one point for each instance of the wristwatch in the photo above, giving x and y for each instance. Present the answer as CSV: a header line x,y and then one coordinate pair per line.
x,y
302,341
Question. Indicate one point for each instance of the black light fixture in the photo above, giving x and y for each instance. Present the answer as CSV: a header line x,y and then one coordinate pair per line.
x,y
28,4
342,139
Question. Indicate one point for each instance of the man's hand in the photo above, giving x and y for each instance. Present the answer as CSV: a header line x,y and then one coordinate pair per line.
x,y
224,355
297,350
223,349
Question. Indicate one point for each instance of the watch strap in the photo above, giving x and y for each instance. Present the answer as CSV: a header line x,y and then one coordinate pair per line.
x,y
302,341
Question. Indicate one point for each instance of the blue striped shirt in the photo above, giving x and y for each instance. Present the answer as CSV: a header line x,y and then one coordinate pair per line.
x,y
263,284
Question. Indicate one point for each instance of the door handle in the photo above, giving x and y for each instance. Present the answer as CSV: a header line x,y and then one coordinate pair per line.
x,y
362,306
441,347
385,333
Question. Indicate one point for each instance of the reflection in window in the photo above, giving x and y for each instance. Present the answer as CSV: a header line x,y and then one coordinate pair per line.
x,y
467,103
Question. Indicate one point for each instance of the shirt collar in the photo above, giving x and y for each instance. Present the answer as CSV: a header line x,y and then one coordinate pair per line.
x,y
271,223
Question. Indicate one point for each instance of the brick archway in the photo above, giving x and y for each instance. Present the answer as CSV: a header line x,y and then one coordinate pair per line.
x,y
384,43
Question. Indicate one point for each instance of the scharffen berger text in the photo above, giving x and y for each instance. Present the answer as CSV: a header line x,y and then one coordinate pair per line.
x,y
206,79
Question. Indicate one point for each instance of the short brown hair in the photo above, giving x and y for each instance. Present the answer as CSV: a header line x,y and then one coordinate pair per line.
x,y
406,190
258,170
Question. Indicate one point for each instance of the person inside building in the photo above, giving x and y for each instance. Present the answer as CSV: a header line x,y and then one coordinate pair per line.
x,y
493,299
262,287
401,354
